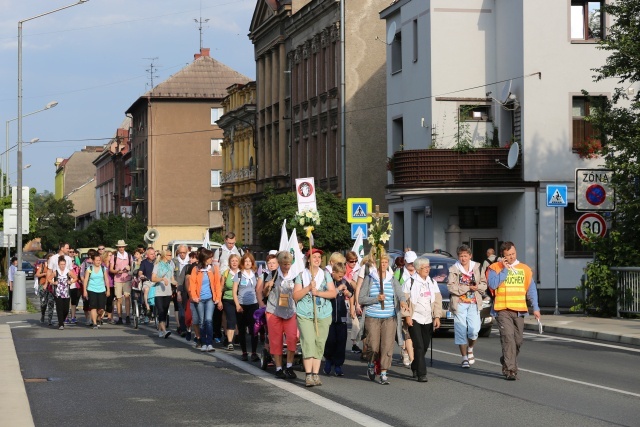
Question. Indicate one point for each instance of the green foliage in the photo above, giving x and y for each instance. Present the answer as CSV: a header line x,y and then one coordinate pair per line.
x,y
464,139
109,230
600,285
333,233
51,220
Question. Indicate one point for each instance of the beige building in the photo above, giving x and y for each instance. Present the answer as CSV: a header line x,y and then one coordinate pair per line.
x,y
176,173
239,164
301,96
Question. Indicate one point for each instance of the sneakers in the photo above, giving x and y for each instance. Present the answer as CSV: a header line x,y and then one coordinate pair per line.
x,y
67,321
244,357
371,371
202,348
198,343
255,357
128,321
505,371
405,359
61,327
511,376
160,334
74,321
289,374
309,381
327,367
217,340
338,371
472,359
383,379
422,379
355,349
465,364
316,379
95,326
280,374
187,336
166,334
230,347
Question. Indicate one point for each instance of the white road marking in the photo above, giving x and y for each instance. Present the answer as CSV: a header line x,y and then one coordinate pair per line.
x,y
343,411
602,387
17,321
597,344
16,327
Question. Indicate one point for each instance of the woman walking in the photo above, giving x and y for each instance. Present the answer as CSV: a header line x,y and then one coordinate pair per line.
x,y
162,277
47,300
228,303
246,297
96,290
63,277
314,318
204,294
107,256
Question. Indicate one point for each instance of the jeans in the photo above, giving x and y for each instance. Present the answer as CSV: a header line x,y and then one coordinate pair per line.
x,y
466,323
205,315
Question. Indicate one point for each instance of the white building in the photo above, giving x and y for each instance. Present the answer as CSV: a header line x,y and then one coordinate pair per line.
x,y
448,60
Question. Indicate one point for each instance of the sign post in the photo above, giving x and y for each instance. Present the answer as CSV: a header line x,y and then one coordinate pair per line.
x,y
557,198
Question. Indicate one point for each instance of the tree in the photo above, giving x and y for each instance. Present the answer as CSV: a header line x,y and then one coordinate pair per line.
x,y
619,126
333,233
51,220
108,230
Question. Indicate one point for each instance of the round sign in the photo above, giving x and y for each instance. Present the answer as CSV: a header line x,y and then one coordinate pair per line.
x,y
596,194
591,223
305,189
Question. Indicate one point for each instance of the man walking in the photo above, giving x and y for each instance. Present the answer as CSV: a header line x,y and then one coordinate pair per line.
x,y
181,261
490,259
513,284
221,255
120,267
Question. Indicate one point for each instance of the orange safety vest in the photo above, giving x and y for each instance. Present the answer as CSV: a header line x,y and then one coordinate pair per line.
x,y
512,293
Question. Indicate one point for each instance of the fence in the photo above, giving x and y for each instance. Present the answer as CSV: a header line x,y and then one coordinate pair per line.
x,y
628,287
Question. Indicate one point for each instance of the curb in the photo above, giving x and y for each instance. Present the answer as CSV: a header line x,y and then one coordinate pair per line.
x,y
579,333
13,395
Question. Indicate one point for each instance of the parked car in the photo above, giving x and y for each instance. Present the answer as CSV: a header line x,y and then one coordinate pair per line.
x,y
440,273
29,270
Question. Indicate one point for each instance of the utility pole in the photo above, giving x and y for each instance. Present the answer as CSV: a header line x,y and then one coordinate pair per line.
x,y
152,70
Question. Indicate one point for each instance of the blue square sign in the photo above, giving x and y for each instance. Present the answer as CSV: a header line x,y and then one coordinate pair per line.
x,y
356,227
557,196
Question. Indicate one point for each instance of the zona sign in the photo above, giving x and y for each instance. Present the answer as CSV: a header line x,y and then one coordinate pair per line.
x,y
591,222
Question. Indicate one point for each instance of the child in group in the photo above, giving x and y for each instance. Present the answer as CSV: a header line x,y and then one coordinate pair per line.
x,y
334,349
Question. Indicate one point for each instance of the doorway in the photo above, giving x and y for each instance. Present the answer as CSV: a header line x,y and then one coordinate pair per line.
x,y
479,248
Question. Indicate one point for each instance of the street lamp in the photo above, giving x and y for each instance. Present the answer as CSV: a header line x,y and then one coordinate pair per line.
x,y
4,190
19,304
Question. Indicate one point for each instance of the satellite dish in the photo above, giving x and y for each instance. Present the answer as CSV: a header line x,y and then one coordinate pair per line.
x,y
391,33
505,92
512,159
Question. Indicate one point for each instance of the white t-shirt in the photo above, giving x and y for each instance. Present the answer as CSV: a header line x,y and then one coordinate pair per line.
x,y
53,261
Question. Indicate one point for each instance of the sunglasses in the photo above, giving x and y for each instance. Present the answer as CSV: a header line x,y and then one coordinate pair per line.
x,y
352,261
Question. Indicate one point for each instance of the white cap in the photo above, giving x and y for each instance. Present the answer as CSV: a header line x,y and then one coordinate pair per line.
x,y
273,252
410,257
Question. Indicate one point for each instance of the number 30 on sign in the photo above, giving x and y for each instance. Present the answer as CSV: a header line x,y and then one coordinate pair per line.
x,y
591,223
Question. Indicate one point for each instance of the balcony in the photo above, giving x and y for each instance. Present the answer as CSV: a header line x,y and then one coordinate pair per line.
x,y
136,165
238,175
442,167
138,194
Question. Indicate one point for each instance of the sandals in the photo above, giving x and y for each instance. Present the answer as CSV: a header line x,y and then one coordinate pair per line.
x,y
465,364
230,347
472,359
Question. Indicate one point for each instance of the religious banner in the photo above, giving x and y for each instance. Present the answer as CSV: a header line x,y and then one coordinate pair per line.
x,y
306,192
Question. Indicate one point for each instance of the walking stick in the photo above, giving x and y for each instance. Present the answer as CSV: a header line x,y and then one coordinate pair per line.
x,y
313,298
433,331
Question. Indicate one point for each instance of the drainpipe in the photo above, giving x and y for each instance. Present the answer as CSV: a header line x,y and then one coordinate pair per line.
x,y
343,132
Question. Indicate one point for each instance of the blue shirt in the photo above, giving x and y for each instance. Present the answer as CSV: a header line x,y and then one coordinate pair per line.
x,y
12,272
375,310
205,290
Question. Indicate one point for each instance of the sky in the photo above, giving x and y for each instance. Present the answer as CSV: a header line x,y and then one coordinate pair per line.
x,y
93,60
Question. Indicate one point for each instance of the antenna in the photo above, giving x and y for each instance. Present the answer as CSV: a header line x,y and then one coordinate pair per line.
x,y
512,159
151,70
200,22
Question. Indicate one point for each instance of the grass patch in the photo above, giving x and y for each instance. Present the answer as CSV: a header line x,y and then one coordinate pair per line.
x,y
4,302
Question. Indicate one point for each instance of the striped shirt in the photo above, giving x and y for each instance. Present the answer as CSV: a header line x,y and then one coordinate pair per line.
x,y
375,310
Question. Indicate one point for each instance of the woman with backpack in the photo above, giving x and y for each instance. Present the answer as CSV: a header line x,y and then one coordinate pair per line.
x,y
204,294
107,256
246,297
162,276
228,303
45,291
96,289
63,277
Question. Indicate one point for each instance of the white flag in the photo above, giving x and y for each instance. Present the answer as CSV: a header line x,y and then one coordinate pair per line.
x,y
284,240
297,264
358,246
205,243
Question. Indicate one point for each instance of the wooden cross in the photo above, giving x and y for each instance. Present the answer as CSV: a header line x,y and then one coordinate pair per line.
x,y
377,215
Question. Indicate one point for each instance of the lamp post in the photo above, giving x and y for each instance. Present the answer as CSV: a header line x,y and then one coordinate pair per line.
x,y
19,303
4,189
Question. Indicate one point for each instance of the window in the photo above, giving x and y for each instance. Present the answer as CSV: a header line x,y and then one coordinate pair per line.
x,y
587,23
397,134
415,40
582,129
215,177
215,205
573,247
216,113
475,113
216,149
478,216
396,53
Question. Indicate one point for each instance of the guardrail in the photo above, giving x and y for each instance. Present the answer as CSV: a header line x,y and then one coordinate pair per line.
x,y
628,286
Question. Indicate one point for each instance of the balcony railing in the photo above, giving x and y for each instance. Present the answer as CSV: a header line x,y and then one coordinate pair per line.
x,y
136,165
138,194
238,175
438,167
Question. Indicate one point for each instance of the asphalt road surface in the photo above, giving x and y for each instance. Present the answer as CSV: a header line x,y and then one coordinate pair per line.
x,y
121,376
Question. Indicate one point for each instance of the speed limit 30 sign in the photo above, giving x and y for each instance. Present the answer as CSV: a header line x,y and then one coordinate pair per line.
x,y
591,223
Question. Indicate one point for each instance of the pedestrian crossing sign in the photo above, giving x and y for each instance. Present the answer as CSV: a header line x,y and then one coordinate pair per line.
x,y
358,210
557,196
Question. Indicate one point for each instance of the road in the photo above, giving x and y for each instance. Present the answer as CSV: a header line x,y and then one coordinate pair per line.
x,y
121,376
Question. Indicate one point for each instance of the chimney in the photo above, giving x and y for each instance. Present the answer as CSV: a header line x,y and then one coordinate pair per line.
x,y
204,51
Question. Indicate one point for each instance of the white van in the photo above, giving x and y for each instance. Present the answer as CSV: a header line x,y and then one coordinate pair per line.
x,y
193,245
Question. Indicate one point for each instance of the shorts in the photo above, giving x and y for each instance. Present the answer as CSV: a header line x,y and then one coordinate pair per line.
x,y
75,296
97,300
122,287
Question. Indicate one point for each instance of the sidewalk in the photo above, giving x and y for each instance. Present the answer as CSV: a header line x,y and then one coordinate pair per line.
x,y
13,395
622,331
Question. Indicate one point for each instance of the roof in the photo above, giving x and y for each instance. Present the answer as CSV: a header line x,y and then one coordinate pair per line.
x,y
205,77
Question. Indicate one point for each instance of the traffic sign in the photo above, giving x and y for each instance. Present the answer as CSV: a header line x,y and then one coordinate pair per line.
x,y
591,222
594,191
557,196
359,226
358,210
